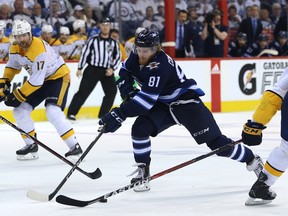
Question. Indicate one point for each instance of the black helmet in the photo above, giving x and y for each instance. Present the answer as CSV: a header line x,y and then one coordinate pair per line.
x,y
242,35
282,34
262,37
147,39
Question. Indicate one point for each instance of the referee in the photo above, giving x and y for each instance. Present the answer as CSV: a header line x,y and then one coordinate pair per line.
x,y
103,56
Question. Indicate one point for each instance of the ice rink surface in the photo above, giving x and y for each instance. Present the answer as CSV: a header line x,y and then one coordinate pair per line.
x,y
213,186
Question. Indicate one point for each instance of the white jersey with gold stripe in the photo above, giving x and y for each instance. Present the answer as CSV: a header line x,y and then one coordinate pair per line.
x,y
4,48
39,60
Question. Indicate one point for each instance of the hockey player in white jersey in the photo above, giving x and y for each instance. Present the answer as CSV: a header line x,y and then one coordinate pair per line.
x,y
277,162
49,81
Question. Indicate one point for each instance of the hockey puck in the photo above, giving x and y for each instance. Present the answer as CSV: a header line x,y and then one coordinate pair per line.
x,y
103,200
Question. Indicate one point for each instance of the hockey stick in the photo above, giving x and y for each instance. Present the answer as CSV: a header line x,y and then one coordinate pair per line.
x,y
93,175
268,51
44,197
79,203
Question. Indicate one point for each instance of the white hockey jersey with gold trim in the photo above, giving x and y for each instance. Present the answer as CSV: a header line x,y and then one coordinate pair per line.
x,y
40,61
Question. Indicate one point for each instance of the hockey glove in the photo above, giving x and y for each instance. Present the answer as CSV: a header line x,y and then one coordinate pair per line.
x,y
252,133
126,88
4,88
15,98
112,120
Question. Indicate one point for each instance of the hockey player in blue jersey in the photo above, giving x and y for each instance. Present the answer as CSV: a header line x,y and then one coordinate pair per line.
x,y
166,98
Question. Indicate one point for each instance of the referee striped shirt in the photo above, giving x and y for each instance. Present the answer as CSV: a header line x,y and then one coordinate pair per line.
x,y
100,52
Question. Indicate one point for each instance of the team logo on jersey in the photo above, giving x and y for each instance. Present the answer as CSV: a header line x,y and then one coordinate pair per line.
x,y
153,65
28,69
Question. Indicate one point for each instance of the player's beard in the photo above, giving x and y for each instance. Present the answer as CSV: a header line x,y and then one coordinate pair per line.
x,y
25,44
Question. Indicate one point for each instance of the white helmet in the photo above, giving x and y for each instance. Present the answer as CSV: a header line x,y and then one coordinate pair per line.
x,y
21,27
64,30
2,28
47,28
78,24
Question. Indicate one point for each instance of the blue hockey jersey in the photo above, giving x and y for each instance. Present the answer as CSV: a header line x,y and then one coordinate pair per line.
x,y
161,80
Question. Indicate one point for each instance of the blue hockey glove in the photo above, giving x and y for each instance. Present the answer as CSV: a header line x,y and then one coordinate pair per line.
x,y
112,120
4,88
252,133
15,98
126,89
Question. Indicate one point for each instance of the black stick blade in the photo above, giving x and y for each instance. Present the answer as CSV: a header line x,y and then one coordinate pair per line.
x,y
96,174
69,201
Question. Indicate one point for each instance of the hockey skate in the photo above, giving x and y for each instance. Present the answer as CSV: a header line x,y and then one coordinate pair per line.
x,y
255,165
74,154
28,152
260,193
143,173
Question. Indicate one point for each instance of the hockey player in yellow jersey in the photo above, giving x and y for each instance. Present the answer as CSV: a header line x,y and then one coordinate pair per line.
x,y
277,162
64,45
4,42
47,33
79,38
49,81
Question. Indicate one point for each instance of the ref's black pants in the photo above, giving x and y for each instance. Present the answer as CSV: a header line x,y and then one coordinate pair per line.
x,y
91,76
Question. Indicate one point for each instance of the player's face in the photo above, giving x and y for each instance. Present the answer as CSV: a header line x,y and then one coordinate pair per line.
x,y
23,40
282,41
263,44
145,54
47,36
63,38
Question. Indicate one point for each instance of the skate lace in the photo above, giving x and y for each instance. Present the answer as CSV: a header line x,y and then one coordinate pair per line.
x,y
140,170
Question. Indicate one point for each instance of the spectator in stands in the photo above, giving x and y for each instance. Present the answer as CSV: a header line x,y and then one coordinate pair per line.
x,y
214,35
9,3
195,29
251,26
4,42
130,43
234,19
276,14
240,8
55,15
257,47
20,12
265,18
149,21
238,48
47,33
38,19
132,16
79,38
282,24
97,7
77,14
90,22
63,45
183,46
160,15
280,44
5,15
64,8
114,33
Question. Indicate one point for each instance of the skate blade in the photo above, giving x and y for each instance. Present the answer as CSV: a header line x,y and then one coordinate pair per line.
x,y
29,156
256,201
142,188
